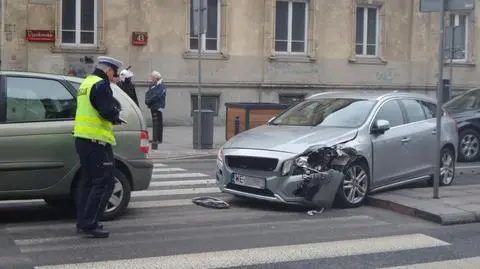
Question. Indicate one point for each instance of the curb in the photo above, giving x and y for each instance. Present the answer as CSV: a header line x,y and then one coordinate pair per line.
x,y
443,219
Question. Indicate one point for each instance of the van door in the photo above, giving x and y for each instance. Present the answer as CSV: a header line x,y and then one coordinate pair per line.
x,y
36,136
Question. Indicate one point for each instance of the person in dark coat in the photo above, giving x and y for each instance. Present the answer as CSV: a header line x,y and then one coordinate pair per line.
x,y
125,83
155,101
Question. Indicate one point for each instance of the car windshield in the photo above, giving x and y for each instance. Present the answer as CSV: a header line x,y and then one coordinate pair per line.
x,y
334,112
468,100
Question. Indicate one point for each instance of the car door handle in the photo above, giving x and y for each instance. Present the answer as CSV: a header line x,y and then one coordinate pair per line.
x,y
406,140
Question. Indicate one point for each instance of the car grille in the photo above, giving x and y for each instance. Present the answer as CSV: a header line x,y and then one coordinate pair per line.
x,y
251,163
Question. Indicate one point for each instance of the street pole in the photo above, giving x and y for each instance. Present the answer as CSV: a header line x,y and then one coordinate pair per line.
x,y
452,51
436,180
199,84
200,29
2,42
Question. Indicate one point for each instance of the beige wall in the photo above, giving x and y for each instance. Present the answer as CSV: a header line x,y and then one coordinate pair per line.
x,y
247,68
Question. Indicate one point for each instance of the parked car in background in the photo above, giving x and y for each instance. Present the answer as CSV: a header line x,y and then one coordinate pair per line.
x,y
377,141
37,152
465,109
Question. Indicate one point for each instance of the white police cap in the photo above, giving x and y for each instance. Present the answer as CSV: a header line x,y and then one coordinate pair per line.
x,y
112,62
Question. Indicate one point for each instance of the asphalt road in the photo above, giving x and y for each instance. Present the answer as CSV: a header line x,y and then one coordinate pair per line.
x,y
163,229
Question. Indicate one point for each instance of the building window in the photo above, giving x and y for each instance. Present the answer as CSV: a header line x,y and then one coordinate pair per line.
x,y
291,25
210,102
290,99
460,37
79,22
211,40
367,34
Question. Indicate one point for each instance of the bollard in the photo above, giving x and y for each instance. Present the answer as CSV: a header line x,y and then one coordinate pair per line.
x,y
237,124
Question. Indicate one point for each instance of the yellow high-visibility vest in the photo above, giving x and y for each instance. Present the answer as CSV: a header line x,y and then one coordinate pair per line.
x,y
88,122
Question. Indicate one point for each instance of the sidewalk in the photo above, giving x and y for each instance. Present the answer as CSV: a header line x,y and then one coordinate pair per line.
x,y
456,204
178,143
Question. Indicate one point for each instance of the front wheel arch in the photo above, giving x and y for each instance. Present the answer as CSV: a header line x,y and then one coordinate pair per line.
x,y
340,198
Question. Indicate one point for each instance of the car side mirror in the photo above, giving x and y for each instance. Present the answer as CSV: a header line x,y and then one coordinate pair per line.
x,y
380,126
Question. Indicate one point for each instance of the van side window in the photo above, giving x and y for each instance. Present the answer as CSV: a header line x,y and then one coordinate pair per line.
x,y
37,99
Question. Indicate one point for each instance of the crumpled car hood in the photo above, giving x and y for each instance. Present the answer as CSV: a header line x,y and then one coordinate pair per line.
x,y
293,139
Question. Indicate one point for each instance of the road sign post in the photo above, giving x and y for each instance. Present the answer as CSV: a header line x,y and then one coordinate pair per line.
x,y
442,6
199,29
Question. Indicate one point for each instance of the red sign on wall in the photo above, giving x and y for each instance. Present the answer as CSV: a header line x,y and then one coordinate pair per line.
x,y
139,38
40,35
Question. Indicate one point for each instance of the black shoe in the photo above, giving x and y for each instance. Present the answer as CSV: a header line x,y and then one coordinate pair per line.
x,y
99,226
94,233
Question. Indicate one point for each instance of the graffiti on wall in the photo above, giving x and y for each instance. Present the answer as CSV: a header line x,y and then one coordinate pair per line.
x,y
75,65
387,75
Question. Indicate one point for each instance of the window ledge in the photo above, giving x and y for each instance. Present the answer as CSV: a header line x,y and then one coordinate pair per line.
x,y
292,58
367,60
459,63
205,55
72,49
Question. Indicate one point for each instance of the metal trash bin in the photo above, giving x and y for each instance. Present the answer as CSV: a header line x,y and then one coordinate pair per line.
x,y
206,129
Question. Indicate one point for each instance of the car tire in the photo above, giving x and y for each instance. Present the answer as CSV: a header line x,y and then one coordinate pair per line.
x,y
124,195
355,168
471,139
446,157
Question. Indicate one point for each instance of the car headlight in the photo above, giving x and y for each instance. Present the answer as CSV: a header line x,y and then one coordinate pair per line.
x,y
287,167
301,161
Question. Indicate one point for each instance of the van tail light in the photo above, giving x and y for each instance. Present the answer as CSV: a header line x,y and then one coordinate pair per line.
x,y
144,144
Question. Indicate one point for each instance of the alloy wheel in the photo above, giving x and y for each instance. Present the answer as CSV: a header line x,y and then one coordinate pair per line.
x,y
116,198
470,145
355,184
447,167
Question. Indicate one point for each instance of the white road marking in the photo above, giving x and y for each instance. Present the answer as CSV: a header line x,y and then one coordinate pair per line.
x,y
180,175
182,182
149,193
155,165
466,263
266,255
159,170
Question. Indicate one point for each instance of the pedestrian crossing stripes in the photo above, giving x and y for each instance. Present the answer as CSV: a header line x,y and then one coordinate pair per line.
x,y
265,255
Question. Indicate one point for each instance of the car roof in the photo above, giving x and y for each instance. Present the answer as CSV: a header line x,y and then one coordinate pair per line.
x,y
369,95
37,74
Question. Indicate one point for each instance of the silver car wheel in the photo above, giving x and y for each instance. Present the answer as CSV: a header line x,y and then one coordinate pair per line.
x,y
470,145
116,197
355,184
447,169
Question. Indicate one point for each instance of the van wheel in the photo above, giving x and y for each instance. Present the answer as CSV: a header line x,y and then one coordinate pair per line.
x,y
120,198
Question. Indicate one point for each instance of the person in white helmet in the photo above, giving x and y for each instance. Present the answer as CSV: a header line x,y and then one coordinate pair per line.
x,y
125,83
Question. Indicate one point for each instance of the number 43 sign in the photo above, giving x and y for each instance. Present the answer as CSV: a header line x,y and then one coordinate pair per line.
x,y
139,38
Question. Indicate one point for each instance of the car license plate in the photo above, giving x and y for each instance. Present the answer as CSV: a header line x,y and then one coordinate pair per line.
x,y
248,181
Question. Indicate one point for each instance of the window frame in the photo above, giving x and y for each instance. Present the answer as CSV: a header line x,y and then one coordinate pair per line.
x,y
407,117
466,41
381,105
365,31
289,28
204,36
78,25
3,94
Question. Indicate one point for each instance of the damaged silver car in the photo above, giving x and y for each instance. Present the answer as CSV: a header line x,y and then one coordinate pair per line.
x,y
338,147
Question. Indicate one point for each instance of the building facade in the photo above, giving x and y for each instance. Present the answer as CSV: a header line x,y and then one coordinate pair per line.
x,y
255,50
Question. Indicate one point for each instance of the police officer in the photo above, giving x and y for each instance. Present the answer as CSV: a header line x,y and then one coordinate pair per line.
x,y
97,112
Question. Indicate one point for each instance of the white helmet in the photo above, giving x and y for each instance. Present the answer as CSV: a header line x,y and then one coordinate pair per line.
x,y
125,73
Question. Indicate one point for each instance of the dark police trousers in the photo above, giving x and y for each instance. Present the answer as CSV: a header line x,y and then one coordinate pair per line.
x,y
97,182
157,126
